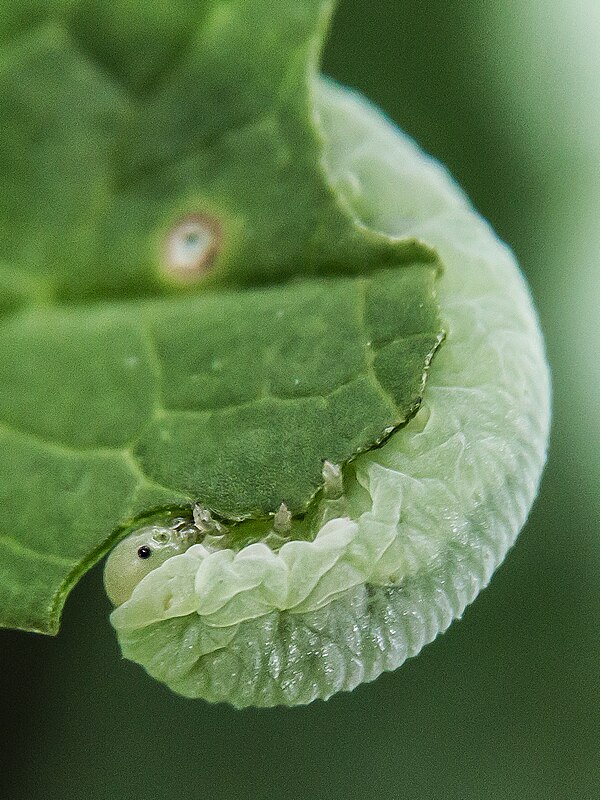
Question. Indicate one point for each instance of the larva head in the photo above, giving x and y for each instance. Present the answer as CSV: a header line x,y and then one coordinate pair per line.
x,y
140,553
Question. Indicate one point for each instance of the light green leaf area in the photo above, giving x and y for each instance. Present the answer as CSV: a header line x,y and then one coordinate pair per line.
x,y
129,384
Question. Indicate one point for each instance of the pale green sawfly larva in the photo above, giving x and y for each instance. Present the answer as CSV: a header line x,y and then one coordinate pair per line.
x,y
423,521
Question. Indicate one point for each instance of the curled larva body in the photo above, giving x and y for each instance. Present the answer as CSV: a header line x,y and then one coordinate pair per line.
x,y
442,500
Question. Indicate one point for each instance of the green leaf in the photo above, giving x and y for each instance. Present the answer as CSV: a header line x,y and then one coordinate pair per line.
x,y
129,384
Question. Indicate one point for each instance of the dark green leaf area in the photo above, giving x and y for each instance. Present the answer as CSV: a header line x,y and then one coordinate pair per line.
x,y
83,381
120,119
257,388
55,177
14,293
234,398
58,508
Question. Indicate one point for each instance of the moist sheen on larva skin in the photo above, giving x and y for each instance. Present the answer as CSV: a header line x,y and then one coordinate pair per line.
x,y
449,492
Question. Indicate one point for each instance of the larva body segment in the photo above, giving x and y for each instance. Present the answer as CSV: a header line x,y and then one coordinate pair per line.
x,y
440,503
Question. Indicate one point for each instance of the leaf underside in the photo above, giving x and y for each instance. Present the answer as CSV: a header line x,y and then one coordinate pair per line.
x,y
122,392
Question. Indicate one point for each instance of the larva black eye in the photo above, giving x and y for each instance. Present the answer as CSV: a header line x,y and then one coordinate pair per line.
x,y
144,551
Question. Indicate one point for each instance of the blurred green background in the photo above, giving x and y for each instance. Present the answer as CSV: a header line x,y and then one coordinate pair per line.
x,y
506,704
